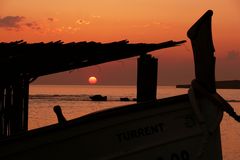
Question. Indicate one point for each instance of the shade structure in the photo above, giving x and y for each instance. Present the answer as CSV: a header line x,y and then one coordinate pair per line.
x,y
38,59
22,62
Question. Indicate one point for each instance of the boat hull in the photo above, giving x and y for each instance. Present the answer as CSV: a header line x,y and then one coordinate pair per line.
x,y
166,129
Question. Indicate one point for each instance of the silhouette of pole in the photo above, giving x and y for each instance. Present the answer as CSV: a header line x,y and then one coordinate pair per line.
x,y
58,111
14,106
147,78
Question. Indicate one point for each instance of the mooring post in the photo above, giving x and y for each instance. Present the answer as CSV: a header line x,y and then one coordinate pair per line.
x,y
147,78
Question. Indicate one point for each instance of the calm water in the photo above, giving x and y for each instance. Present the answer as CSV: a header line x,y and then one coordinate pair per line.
x,y
75,102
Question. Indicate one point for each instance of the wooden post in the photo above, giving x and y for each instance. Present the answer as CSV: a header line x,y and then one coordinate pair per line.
x,y
14,106
7,109
1,111
19,119
17,107
147,78
25,92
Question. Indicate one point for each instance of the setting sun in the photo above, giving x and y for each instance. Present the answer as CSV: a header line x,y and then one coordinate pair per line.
x,y
92,80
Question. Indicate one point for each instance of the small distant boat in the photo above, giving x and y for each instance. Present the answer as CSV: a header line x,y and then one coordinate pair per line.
x,y
98,97
124,99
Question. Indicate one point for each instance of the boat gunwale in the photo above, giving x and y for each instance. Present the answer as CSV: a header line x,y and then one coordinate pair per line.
x,y
95,116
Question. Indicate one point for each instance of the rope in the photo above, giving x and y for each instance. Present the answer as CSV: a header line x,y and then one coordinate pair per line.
x,y
218,100
208,130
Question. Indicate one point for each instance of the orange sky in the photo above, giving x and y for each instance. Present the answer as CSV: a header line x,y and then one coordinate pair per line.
x,y
135,20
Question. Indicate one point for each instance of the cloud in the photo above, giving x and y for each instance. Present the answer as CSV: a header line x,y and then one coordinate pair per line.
x,y
16,23
33,25
51,19
232,55
9,22
81,21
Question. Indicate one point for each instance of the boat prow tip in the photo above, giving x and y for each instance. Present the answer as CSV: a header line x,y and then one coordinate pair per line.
x,y
192,32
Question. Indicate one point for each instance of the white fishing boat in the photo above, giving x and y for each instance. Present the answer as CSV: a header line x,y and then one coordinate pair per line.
x,y
184,127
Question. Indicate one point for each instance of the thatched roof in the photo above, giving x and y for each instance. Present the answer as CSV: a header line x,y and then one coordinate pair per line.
x,y
37,59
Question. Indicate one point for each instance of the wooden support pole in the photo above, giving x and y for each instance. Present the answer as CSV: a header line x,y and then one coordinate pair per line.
x,y
14,106
147,78
19,119
25,92
1,111
7,110
17,107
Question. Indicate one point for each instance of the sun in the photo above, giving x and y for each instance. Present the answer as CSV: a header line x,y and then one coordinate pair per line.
x,y
92,80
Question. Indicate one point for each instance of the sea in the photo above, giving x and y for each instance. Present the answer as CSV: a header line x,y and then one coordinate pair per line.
x,y
75,102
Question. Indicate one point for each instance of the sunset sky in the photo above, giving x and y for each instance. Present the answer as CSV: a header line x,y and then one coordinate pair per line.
x,y
146,21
